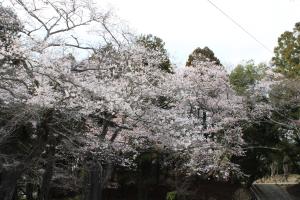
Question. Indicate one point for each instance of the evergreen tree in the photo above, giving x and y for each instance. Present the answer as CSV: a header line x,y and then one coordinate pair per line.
x,y
245,75
205,55
155,43
287,53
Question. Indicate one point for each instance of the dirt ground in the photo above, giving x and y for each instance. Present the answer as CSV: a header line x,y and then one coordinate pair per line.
x,y
279,179
203,191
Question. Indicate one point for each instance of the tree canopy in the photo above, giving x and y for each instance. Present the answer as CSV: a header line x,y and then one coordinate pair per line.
x,y
246,75
75,121
204,55
287,53
78,117
155,43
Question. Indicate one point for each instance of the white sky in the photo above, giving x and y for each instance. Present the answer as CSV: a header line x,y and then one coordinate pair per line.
x,y
187,24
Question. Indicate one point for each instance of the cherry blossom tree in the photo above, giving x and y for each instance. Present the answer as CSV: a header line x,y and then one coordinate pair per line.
x,y
38,75
273,113
113,101
102,90
276,99
201,118
214,114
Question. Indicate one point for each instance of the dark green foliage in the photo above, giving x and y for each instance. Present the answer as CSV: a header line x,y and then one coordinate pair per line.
x,y
261,138
157,44
287,53
270,138
246,75
204,55
285,98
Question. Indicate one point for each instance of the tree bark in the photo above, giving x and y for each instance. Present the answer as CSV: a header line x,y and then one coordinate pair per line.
x,y
9,177
94,183
47,176
29,191
204,122
8,184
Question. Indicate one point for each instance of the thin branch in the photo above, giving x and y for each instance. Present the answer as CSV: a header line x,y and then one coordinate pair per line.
x,y
262,147
31,13
71,45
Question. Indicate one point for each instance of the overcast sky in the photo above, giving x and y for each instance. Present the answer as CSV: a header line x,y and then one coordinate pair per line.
x,y
187,24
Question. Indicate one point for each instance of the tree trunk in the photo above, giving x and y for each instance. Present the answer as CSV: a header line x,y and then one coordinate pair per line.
x,y
15,196
9,177
141,187
157,166
96,185
93,180
204,122
29,191
8,184
47,176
